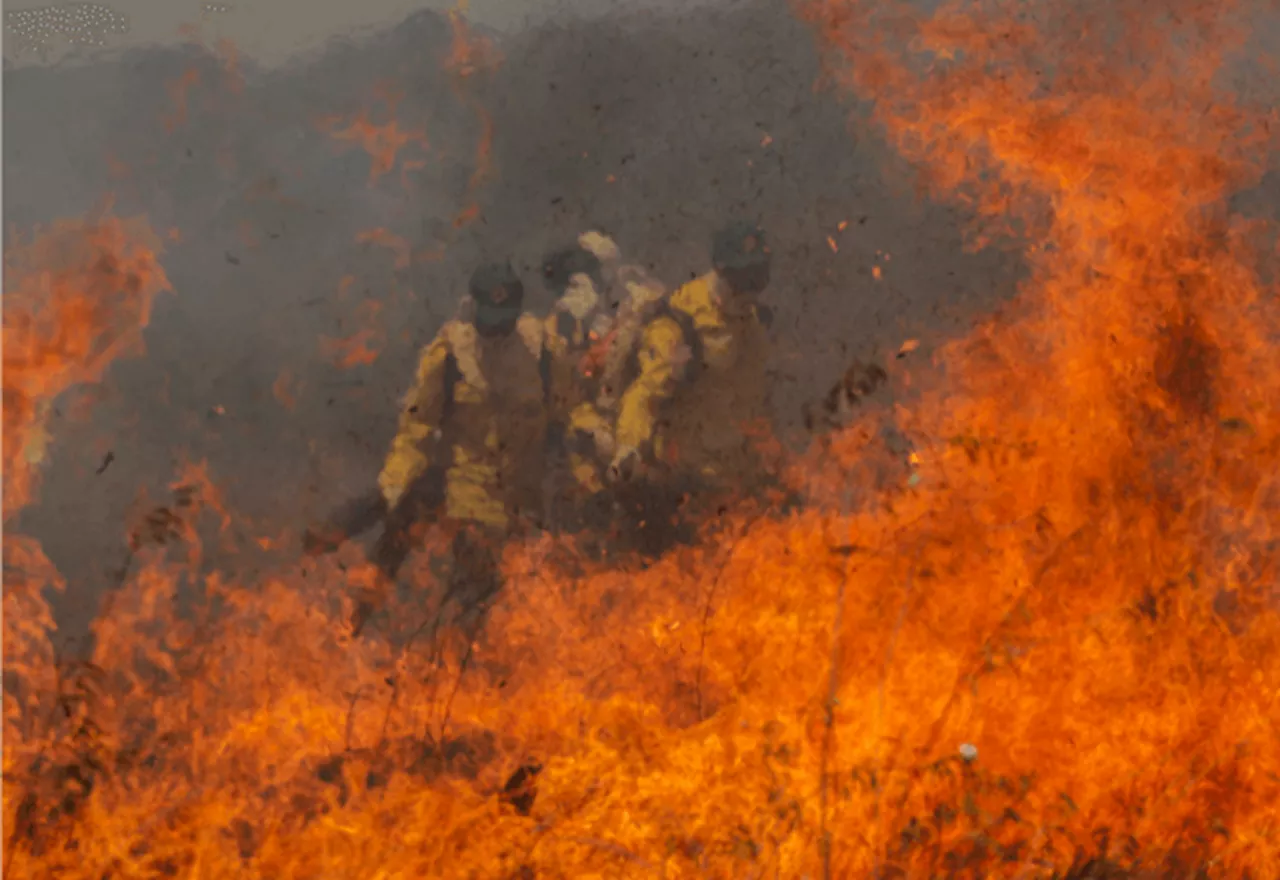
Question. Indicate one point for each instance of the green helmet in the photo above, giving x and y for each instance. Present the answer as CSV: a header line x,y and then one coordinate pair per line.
x,y
559,267
741,256
499,297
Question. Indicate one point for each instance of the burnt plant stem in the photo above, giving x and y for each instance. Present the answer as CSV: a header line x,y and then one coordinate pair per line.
x,y
706,624
706,610
702,646
432,622
828,734
829,709
351,716
457,682
437,642
391,706
883,699
11,845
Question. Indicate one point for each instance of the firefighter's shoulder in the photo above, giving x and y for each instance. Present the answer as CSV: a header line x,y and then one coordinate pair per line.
x,y
455,336
432,356
698,296
639,287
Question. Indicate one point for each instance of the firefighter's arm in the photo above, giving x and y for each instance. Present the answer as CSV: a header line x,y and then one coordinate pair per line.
x,y
643,293
662,355
419,419
613,362
558,380
587,423
553,340
591,445
699,301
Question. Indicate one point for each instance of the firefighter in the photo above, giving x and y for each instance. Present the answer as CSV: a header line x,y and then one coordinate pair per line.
x,y
579,322
587,280
465,450
693,374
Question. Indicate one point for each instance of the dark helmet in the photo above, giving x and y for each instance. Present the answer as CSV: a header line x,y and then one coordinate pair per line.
x,y
741,256
499,296
559,267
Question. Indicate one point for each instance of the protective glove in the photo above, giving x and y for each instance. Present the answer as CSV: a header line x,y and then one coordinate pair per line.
x,y
625,465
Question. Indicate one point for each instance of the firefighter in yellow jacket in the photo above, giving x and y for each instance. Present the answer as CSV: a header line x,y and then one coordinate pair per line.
x,y
468,448
579,323
589,281
694,374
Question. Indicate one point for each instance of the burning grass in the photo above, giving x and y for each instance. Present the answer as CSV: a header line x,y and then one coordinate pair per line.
x,y
1052,650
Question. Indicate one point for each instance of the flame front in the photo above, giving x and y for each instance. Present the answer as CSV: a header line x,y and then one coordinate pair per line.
x,y
76,298
1056,642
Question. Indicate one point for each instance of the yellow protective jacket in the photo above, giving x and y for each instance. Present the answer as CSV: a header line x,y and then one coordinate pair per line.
x,y
582,334
478,410
697,377
574,343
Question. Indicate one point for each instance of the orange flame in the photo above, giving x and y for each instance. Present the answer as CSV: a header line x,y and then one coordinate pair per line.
x,y
285,389
398,245
383,142
362,347
1087,432
1041,632
179,91
357,350
470,55
232,74
77,296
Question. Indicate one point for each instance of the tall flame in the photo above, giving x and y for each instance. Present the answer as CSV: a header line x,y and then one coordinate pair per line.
x,y
76,298
1053,646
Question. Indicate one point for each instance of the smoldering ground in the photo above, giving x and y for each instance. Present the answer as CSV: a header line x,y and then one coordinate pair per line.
x,y
652,128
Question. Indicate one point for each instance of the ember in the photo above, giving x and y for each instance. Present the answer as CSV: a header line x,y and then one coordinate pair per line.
x,y
1023,624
